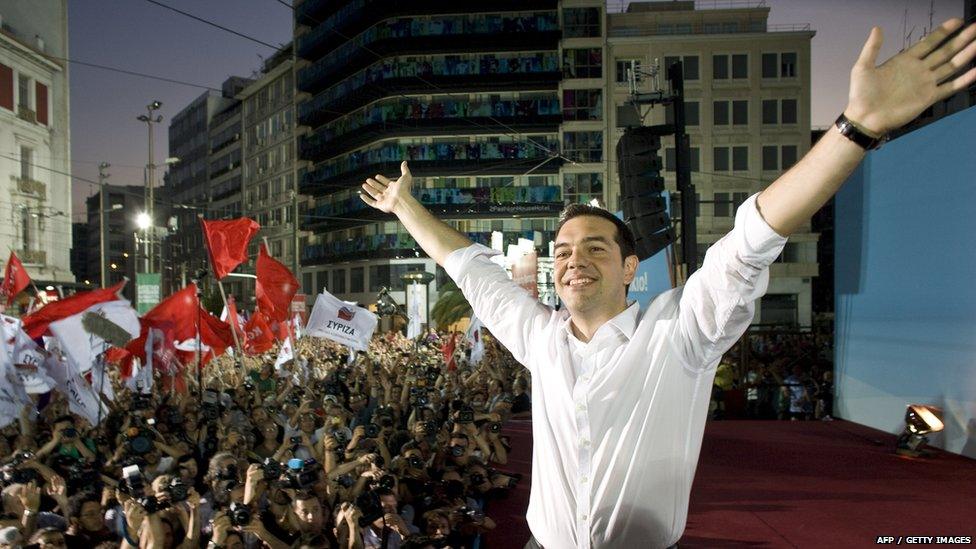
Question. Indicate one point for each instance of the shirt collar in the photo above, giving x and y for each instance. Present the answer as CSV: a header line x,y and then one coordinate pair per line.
x,y
625,323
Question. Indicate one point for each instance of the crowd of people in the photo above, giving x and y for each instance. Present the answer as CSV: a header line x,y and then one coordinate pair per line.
x,y
782,375
400,446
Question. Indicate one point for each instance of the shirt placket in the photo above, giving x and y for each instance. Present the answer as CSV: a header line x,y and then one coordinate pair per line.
x,y
584,450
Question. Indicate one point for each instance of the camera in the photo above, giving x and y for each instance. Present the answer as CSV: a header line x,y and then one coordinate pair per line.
x,y
495,427
387,481
139,441
371,507
466,416
472,514
151,504
133,482
177,490
429,427
457,451
432,376
342,436
296,439
271,468
415,462
372,430
477,479
346,480
300,474
141,402
210,409
12,475
69,433
239,514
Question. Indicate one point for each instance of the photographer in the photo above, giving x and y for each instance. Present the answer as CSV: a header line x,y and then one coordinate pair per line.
x,y
86,522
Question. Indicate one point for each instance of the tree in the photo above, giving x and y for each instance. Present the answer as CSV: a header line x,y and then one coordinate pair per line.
x,y
451,306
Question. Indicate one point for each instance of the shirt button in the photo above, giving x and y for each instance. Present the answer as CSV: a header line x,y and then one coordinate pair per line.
x,y
581,407
585,443
582,517
584,479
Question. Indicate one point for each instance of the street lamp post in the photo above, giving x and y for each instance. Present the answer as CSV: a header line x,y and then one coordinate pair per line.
x,y
150,197
102,177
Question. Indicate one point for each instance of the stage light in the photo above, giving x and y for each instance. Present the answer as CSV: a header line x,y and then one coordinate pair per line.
x,y
920,420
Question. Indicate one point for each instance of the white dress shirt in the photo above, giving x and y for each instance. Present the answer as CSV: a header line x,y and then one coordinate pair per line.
x,y
617,422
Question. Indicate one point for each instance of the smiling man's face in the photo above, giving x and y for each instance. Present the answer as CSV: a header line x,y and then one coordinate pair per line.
x,y
591,274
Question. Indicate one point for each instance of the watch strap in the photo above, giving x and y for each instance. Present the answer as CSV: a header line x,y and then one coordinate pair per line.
x,y
849,130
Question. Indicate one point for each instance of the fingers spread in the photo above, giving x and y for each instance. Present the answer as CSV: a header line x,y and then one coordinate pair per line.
x,y
367,199
957,63
951,48
959,83
932,41
383,179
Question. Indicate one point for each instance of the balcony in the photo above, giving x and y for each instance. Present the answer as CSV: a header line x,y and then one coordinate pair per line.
x,y
430,160
439,74
32,257
25,113
422,118
392,246
357,16
469,203
30,186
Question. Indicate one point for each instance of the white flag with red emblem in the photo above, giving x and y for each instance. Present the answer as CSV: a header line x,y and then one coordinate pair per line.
x,y
341,321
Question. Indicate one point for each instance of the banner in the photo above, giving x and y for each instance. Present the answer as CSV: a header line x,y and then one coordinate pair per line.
x,y
81,397
26,356
149,291
81,347
414,313
341,321
284,355
475,341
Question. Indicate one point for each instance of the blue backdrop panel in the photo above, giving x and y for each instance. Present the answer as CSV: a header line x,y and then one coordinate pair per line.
x,y
906,282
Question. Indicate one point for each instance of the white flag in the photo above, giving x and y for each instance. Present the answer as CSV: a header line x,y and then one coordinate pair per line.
x,y
27,357
13,397
413,315
285,354
474,339
83,348
296,326
101,381
82,399
341,321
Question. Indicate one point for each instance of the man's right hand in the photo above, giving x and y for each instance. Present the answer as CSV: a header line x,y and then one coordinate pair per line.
x,y
383,194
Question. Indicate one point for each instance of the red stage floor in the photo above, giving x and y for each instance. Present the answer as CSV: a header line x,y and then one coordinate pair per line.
x,y
796,484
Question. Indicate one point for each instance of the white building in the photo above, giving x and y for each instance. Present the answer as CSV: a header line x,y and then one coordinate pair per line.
x,y
35,153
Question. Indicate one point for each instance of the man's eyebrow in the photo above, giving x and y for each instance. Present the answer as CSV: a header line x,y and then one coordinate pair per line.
x,y
602,239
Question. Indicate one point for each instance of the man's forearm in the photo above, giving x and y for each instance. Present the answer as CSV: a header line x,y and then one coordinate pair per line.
x,y
790,201
437,238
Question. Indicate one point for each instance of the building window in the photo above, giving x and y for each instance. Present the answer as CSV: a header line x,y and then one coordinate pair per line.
x,y
579,188
23,91
770,111
671,162
788,107
739,63
583,63
581,22
739,109
770,158
339,281
26,163
379,277
689,66
788,154
720,159
779,309
740,158
779,65
624,65
692,114
583,146
25,228
726,204
357,281
582,104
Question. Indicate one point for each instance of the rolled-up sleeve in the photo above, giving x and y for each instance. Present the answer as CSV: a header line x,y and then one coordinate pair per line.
x,y
718,302
504,307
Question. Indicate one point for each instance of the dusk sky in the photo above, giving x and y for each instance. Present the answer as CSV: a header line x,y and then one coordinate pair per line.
x,y
139,36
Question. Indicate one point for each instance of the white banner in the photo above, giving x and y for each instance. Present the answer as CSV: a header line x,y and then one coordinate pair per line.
x,y
296,326
13,397
284,355
474,339
83,348
341,321
81,397
27,357
414,313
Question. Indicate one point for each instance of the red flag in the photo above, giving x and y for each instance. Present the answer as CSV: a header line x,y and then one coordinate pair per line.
x,y
275,288
15,279
227,242
448,351
36,323
259,335
215,333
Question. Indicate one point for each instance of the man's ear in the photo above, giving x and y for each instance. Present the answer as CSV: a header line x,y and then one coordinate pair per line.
x,y
630,268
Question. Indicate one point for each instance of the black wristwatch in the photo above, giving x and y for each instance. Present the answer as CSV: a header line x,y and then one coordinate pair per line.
x,y
863,140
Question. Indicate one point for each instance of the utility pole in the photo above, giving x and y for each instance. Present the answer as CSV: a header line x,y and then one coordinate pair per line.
x,y
150,194
102,181
296,265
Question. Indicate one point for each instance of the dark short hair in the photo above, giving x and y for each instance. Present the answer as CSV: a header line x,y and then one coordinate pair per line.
x,y
624,236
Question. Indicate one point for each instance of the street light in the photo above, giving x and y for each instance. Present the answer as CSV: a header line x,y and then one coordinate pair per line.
x,y
150,118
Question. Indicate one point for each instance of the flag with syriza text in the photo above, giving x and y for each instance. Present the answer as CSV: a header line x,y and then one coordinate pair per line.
x,y
341,321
